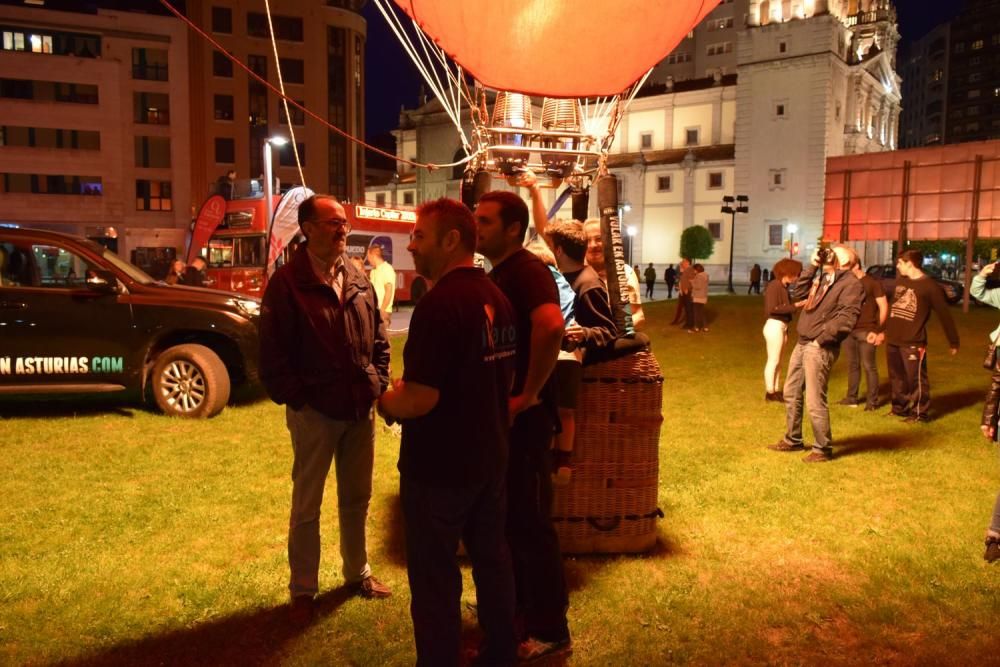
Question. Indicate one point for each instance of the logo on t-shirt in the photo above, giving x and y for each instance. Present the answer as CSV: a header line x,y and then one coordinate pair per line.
x,y
904,305
498,341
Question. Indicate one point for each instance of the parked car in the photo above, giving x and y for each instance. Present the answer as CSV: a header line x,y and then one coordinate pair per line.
x,y
77,319
886,273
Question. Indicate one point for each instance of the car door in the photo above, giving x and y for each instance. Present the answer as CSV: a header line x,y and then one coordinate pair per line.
x,y
58,334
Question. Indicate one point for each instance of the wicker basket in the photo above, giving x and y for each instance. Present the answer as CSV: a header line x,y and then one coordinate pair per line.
x,y
610,504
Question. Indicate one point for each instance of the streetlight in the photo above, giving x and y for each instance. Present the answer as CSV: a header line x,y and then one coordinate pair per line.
x,y
269,176
793,229
741,206
631,231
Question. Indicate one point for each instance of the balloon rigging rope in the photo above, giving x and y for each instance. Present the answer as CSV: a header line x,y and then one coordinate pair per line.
x,y
297,105
427,70
284,99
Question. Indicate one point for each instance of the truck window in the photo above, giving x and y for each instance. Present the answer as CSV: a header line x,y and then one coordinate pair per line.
x,y
58,267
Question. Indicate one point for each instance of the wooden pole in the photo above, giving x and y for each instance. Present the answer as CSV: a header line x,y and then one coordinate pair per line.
x,y
970,243
904,210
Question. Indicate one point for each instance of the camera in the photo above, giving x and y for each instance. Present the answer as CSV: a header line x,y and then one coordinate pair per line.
x,y
825,254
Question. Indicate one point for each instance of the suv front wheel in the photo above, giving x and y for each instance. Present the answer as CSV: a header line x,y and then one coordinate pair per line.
x,y
190,381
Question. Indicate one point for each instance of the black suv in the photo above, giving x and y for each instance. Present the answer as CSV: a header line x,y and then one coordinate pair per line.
x,y
886,273
77,319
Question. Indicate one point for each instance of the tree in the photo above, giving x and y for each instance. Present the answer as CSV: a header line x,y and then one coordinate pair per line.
x,y
697,243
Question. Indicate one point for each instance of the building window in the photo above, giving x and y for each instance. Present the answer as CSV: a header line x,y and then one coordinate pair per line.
x,y
51,184
976,45
221,65
775,235
50,42
225,150
408,198
782,47
664,183
152,152
49,137
973,94
719,49
380,199
287,28
293,70
714,180
676,58
781,109
149,64
646,140
691,136
223,107
720,24
222,20
776,179
153,196
152,108
715,229
286,156
298,115
48,91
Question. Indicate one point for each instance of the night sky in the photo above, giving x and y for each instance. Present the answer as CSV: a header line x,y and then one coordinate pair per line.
x,y
394,81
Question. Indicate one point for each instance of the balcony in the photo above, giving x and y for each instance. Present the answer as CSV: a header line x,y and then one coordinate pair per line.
x,y
873,16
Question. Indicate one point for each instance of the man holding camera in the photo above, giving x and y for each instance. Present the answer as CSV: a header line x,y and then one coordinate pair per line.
x,y
831,295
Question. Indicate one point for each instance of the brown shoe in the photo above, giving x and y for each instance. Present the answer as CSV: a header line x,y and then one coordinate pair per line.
x,y
782,446
371,588
817,457
302,611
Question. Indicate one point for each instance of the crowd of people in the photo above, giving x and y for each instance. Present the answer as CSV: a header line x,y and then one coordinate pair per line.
x,y
491,373
492,369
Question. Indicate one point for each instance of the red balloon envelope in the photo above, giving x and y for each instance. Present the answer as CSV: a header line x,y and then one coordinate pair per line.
x,y
557,48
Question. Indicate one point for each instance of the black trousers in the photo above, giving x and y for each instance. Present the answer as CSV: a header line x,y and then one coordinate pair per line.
x,y
435,518
649,288
861,354
754,287
670,290
542,598
911,387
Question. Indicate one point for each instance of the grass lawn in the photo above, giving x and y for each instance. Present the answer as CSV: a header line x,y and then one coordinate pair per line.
x,y
130,538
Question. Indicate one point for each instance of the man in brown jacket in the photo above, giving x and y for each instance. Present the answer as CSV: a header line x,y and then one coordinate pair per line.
x,y
325,356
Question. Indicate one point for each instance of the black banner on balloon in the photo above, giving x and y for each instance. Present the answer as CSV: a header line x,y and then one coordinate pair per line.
x,y
474,185
614,252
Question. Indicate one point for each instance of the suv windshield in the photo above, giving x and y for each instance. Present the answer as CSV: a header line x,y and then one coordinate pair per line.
x,y
133,272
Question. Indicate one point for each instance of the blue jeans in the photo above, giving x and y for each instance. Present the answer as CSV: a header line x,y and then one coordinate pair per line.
x,y
808,375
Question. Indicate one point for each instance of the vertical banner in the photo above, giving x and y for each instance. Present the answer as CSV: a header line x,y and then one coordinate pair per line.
x,y
614,252
284,224
209,217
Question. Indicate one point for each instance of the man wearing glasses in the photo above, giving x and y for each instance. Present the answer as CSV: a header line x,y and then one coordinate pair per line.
x,y
325,356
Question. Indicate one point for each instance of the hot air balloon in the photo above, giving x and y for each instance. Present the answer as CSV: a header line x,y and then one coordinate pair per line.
x,y
584,60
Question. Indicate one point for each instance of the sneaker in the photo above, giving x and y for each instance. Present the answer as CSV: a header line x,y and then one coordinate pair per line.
x,y
992,549
531,650
916,419
849,402
371,588
817,457
783,446
871,407
302,610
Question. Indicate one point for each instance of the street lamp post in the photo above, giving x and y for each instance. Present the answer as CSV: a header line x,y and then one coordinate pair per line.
x,y
269,175
631,232
792,231
732,206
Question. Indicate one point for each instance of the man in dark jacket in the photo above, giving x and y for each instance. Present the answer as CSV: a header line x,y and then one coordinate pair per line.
x,y
833,296
670,278
324,355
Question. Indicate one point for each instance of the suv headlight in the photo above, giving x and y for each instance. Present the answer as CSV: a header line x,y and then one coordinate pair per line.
x,y
248,307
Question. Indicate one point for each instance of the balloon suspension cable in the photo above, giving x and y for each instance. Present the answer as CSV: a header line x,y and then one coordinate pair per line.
x,y
447,92
289,101
620,105
284,100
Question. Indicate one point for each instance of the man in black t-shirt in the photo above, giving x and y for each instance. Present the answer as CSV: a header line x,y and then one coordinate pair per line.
x,y
542,598
914,297
453,404
860,344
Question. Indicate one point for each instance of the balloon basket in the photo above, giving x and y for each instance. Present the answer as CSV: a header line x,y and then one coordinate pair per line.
x,y
610,502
